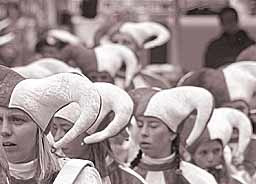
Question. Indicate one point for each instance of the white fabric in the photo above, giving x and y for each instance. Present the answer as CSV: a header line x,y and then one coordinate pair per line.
x,y
241,80
44,67
111,97
70,113
196,175
221,126
155,177
153,161
110,58
77,171
132,172
141,31
23,171
6,38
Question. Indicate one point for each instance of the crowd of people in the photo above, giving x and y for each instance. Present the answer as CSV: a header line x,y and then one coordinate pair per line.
x,y
79,114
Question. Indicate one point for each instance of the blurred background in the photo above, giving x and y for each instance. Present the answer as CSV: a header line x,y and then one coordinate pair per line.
x,y
192,23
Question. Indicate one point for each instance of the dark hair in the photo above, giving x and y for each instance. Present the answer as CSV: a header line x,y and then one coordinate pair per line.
x,y
226,10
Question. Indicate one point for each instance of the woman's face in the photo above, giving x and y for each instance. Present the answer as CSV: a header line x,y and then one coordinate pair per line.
x,y
74,149
209,154
18,135
154,137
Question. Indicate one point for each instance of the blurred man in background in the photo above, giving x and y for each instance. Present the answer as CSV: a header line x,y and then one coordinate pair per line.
x,y
224,49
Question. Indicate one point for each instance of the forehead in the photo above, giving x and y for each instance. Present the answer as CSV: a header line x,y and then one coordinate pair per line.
x,y
209,145
62,122
11,111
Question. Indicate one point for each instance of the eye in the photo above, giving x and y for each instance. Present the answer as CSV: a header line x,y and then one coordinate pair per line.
x,y
203,152
18,120
139,124
153,125
66,129
216,151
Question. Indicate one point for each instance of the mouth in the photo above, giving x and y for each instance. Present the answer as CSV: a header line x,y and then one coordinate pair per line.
x,y
8,144
145,145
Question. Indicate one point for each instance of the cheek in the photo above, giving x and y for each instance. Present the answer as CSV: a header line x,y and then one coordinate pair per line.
x,y
160,137
26,134
200,160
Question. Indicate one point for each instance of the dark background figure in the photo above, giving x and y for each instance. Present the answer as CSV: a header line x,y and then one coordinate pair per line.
x,y
89,8
224,49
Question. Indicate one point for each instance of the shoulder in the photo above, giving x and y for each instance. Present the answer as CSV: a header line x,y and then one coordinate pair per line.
x,y
78,171
89,174
195,174
131,174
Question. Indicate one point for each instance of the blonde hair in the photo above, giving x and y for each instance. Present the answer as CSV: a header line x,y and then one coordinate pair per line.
x,y
47,164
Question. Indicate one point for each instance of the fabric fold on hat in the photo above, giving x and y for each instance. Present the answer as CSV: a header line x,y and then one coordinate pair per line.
x,y
116,100
241,80
210,79
110,58
44,68
111,97
142,31
42,98
71,112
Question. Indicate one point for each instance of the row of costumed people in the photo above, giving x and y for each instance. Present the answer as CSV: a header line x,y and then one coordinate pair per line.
x,y
35,102
95,112
155,118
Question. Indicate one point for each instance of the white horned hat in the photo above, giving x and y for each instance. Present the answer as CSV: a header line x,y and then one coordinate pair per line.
x,y
42,98
142,31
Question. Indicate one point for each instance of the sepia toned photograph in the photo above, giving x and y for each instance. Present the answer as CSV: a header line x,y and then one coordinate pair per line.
x,y
127,91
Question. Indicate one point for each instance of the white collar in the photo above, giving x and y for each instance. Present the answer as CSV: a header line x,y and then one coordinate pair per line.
x,y
23,170
149,160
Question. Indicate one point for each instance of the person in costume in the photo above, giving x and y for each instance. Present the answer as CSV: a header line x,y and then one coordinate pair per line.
x,y
232,86
26,109
139,35
210,152
95,144
159,115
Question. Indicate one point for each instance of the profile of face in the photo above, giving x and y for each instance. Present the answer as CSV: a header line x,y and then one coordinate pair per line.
x,y
126,40
18,135
59,127
154,137
229,22
209,154
103,76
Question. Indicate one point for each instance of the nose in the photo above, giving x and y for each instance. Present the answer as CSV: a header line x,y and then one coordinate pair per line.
x,y
144,130
210,157
58,135
6,129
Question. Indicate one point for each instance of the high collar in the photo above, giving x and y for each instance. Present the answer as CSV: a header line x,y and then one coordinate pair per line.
x,y
157,161
24,170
